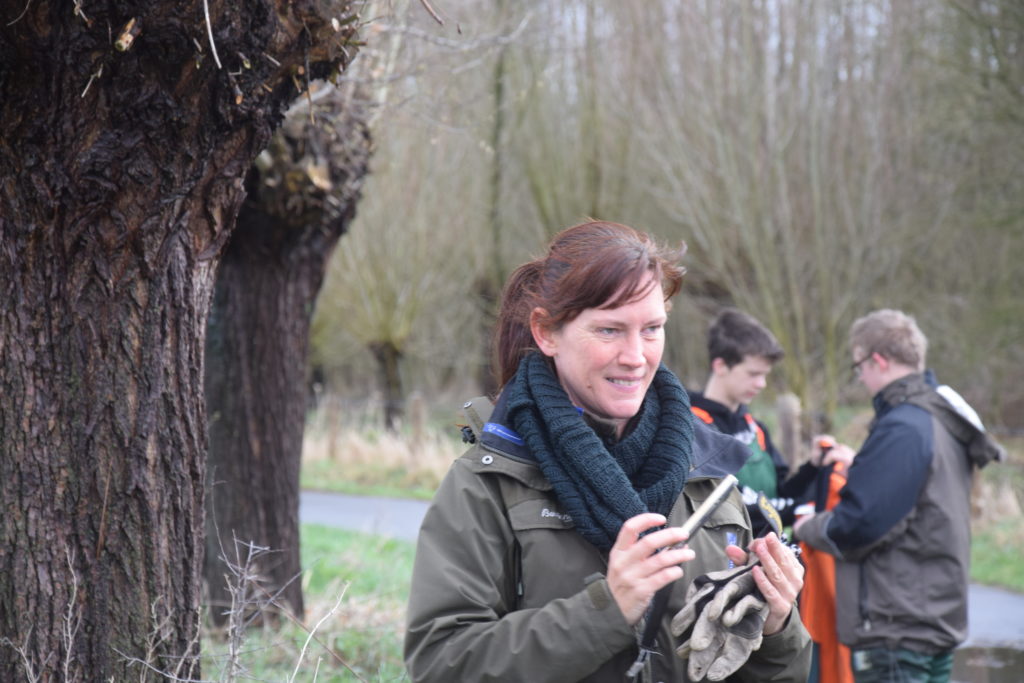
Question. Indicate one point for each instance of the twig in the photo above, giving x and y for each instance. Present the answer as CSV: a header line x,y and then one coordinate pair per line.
x,y
312,633
16,19
305,645
72,618
22,651
437,17
209,32
164,674
79,13
95,74
497,39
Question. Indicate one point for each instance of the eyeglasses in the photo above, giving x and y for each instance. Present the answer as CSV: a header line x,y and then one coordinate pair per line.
x,y
855,367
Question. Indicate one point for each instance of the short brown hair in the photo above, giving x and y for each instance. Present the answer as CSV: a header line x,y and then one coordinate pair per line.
x,y
585,267
733,335
892,334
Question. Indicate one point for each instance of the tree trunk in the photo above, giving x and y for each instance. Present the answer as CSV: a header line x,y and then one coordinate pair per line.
x,y
388,358
121,173
257,343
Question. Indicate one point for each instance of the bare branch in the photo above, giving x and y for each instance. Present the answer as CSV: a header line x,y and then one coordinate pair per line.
x,y
209,32
312,633
432,12
23,12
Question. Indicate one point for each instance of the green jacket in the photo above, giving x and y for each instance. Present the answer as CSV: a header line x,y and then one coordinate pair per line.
x,y
503,589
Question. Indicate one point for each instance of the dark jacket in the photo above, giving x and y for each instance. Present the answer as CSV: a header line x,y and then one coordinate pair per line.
x,y
901,530
792,491
504,589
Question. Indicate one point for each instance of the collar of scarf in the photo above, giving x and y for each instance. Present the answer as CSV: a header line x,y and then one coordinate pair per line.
x,y
602,486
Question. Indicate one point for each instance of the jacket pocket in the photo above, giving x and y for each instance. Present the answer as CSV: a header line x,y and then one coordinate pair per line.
x,y
538,513
544,531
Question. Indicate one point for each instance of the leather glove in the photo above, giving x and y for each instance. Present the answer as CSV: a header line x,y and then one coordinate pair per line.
x,y
724,623
741,638
697,596
703,589
719,646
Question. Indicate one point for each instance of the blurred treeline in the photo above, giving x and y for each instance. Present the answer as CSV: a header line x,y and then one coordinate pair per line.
x,y
820,158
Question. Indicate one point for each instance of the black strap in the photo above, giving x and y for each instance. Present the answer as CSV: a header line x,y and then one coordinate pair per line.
x,y
648,640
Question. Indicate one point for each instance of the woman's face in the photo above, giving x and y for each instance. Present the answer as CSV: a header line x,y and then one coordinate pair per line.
x,y
606,358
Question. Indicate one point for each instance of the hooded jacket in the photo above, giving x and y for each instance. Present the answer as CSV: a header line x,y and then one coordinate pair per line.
x,y
901,530
504,589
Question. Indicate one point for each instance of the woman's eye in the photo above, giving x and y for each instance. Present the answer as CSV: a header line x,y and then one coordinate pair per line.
x,y
652,330
606,331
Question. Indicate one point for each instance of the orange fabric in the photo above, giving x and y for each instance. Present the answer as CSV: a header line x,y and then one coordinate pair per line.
x,y
757,430
818,600
706,417
702,414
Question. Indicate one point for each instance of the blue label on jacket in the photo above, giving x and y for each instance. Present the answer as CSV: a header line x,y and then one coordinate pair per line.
x,y
503,432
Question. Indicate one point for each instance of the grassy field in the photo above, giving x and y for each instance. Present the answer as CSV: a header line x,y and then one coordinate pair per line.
x,y
356,587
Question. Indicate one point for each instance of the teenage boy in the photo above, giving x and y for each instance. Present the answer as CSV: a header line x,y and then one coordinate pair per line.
x,y
742,352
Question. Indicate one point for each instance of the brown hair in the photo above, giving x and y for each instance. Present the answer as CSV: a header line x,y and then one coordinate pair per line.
x,y
733,335
585,267
892,334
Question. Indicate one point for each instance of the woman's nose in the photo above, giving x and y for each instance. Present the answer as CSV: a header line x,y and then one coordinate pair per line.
x,y
632,351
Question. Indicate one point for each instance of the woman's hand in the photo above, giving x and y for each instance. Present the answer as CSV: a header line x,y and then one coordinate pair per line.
x,y
636,570
780,576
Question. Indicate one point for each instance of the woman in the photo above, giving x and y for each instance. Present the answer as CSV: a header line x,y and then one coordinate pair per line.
x,y
539,555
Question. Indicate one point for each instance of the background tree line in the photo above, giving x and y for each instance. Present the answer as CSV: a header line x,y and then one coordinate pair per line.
x,y
820,159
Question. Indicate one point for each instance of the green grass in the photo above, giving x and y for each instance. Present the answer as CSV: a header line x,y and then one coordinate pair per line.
x,y
997,546
370,576
997,555
367,479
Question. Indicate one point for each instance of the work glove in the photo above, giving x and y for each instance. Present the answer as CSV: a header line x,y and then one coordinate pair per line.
x,y
723,618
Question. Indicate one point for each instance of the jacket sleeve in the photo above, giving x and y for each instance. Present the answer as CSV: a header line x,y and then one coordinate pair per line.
x,y
882,487
461,624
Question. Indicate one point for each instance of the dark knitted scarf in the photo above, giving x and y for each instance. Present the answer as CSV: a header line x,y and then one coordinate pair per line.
x,y
601,486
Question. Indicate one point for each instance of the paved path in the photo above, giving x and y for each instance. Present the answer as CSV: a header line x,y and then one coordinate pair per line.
x,y
395,517
996,616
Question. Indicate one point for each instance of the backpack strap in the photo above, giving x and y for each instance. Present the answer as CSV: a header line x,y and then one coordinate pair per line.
x,y
704,415
756,428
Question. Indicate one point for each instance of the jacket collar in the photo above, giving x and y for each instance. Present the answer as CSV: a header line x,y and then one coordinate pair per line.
x,y
499,436
900,391
920,390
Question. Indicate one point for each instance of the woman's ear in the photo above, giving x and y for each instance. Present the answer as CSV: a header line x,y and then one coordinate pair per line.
x,y
542,333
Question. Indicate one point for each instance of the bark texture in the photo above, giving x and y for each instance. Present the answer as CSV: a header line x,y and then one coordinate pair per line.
x,y
122,157
303,194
